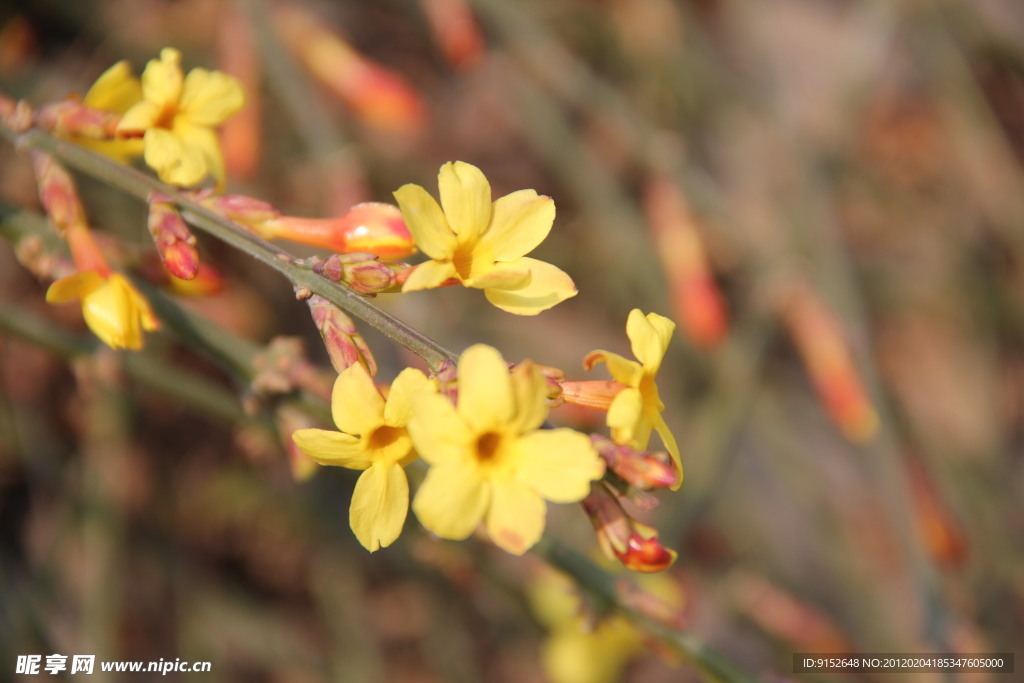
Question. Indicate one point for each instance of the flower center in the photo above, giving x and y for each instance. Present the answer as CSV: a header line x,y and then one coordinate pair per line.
x,y
487,447
463,261
166,117
384,436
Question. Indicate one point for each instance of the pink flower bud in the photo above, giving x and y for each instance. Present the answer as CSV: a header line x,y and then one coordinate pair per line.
x,y
71,118
57,192
641,469
174,241
623,538
345,345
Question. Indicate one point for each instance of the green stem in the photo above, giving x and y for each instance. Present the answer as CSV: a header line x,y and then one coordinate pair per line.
x,y
139,185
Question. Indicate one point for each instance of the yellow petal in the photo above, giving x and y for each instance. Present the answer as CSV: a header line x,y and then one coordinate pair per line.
x,y
559,464
141,116
451,501
426,222
672,447
438,433
515,518
110,313
208,98
520,222
161,81
139,304
409,384
380,503
649,337
74,286
547,287
428,275
499,276
356,404
115,90
205,140
530,391
465,198
622,370
174,162
624,416
486,402
332,448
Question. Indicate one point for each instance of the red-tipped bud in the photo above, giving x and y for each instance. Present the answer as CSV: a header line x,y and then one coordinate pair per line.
x,y
371,227
643,470
819,339
71,118
623,538
697,301
363,272
596,394
57,192
345,345
175,243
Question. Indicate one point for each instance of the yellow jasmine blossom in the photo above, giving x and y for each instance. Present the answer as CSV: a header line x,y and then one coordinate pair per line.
x,y
113,309
490,459
115,90
483,244
177,116
373,438
636,410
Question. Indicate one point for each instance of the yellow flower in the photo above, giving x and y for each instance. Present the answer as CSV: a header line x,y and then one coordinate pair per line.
x,y
489,458
636,410
116,90
373,438
178,115
483,245
113,309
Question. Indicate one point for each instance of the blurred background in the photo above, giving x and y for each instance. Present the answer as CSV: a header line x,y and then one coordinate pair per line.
x,y
827,196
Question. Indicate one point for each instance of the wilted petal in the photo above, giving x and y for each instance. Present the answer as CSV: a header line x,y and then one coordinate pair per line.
x,y
380,503
515,518
649,337
426,222
332,448
451,501
356,404
559,464
208,98
465,198
547,287
485,389
520,222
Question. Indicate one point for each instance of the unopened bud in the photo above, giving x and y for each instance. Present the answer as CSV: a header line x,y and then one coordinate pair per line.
x,y
71,118
447,375
596,394
623,538
174,241
248,211
370,227
57,192
282,367
363,272
345,345
643,470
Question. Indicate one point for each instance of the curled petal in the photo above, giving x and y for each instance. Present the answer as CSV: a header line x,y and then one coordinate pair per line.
x,y
486,401
451,501
426,222
547,287
428,275
380,503
208,98
623,370
356,405
465,198
649,337
520,222
332,448
559,464
515,518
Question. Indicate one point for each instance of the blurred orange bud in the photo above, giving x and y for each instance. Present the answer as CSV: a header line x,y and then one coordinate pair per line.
x,y
623,538
288,420
819,339
375,94
175,243
345,345
640,469
364,273
943,537
698,303
786,617
455,29
207,282
370,227
242,134
71,118
57,192
596,394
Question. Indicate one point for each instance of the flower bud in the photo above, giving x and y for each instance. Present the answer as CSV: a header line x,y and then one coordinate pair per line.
x,y
57,192
71,118
623,538
175,243
16,115
643,470
596,394
363,272
370,227
345,345
247,211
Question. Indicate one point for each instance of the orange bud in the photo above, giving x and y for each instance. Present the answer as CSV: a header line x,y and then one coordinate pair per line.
x,y
943,537
374,93
455,29
697,301
242,133
370,227
623,538
175,243
818,337
57,192
345,345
